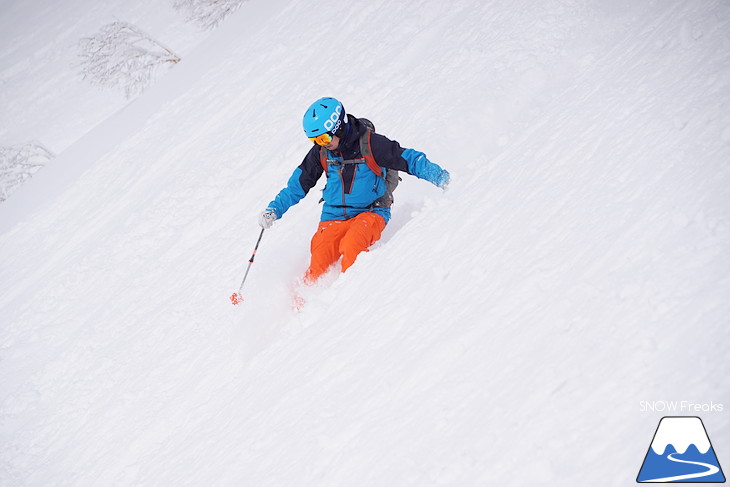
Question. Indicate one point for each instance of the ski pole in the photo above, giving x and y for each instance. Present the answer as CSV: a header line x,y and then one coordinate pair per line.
x,y
237,298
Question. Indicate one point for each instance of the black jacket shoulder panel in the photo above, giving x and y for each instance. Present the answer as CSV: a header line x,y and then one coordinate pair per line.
x,y
311,169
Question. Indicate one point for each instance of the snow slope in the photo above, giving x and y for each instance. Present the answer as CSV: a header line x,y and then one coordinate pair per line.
x,y
501,333
42,96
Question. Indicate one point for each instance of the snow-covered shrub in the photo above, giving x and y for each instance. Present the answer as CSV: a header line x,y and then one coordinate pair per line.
x,y
207,14
18,163
122,56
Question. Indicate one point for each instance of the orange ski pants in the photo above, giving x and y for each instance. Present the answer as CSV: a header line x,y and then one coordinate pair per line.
x,y
346,238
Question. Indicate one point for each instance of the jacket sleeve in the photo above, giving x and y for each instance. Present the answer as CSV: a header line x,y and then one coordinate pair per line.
x,y
390,155
304,177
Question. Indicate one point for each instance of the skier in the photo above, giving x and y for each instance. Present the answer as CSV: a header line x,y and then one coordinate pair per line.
x,y
361,170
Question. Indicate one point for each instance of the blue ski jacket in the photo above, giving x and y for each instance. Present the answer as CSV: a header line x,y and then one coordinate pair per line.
x,y
352,189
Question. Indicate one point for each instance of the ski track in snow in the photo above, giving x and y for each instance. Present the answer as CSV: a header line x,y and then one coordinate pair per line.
x,y
501,332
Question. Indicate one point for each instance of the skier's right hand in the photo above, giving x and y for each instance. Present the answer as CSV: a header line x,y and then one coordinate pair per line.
x,y
267,218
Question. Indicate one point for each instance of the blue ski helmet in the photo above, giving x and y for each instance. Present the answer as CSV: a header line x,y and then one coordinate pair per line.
x,y
326,115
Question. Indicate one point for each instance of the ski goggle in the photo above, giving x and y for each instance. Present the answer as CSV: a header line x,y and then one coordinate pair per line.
x,y
322,139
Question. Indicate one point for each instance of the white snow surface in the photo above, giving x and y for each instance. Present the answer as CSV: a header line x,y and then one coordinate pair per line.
x,y
501,333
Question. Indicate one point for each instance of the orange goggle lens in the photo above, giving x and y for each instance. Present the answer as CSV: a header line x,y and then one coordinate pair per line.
x,y
322,139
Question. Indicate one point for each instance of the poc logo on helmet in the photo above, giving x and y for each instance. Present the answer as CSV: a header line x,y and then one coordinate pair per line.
x,y
333,123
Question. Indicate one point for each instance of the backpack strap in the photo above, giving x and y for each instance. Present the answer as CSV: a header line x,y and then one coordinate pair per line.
x,y
323,159
367,153
365,150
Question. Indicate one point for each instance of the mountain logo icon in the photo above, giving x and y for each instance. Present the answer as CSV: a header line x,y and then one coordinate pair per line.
x,y
681,452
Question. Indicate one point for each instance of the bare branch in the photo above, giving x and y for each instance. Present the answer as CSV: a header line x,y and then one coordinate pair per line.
x,y
207,14
122,56
18,163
